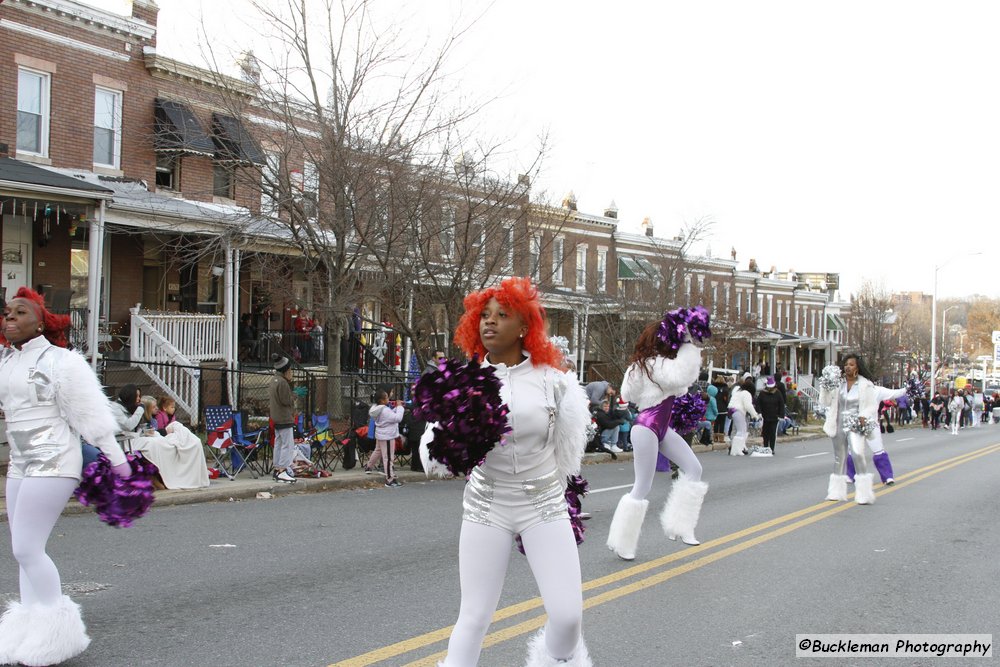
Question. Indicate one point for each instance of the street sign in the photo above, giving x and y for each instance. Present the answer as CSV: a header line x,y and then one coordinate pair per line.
x,y
996,337
996,356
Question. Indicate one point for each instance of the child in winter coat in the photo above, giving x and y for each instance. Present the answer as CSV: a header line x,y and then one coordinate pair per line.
x,y
387,420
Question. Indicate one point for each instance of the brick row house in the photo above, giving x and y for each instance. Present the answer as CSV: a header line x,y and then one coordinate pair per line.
x,y
133,192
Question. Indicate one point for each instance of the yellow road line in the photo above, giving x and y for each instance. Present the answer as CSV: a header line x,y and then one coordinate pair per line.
x,y
420,641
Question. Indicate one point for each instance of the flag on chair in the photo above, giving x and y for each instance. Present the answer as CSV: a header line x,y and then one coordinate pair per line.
x,y
219,419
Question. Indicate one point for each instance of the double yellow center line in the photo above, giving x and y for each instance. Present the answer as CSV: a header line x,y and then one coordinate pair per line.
x,y
764,532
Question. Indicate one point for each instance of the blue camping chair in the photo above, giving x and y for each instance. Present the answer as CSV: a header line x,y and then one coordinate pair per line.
x,y
252,446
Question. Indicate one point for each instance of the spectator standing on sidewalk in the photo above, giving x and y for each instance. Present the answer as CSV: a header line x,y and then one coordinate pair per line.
x,y
722,407
771,408
387,418
282,404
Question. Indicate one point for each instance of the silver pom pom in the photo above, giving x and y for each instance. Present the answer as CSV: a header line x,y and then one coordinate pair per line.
x,y
831,378
852,423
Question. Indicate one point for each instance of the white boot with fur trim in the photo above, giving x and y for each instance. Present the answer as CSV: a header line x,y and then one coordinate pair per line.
x,y
864,489
539,657
837,489
56,634
737,445
626,525
13,627
680,514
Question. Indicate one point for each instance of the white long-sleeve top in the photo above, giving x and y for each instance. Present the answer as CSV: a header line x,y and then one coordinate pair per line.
x,y
45,385
386,421
548,417
830,399
743,402
666,377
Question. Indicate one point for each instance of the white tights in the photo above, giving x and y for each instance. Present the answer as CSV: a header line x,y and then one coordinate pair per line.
x,y
33,507
644,449
483,556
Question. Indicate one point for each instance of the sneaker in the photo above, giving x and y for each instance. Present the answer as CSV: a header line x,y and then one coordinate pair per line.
x,y
392,483
616,449
283,476
369,471
584,516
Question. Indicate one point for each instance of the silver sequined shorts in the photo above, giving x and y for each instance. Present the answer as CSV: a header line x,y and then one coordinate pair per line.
x,y
43,448
514,505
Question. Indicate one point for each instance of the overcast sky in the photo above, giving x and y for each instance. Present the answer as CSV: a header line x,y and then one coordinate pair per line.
x,y
853,137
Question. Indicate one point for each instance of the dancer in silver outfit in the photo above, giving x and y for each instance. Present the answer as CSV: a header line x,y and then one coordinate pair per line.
x,y
50,398
519,487
854,400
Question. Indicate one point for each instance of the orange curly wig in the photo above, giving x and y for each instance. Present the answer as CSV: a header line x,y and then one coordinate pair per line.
x,y
55,325
519,295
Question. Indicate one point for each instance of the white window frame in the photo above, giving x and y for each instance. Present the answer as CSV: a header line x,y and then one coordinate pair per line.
x,y
602,269
270,171
448,230
116,129
310,188
535,257
687,288
45,104
509,259
739,304
581,268
558,253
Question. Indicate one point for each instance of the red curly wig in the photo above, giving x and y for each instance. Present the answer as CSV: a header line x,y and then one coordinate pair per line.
x,y
55,325
520,296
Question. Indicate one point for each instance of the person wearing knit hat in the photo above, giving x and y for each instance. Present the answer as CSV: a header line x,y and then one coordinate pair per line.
x,y
282,403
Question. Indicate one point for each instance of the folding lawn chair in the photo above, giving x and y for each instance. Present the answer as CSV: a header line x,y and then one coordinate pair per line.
x,y
252,446
219,427
328,446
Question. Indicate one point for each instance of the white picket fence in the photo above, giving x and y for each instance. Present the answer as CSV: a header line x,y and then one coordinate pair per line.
x,y
168,347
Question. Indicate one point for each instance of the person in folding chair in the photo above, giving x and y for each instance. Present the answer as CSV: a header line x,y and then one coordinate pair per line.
x,y
51,398
282,403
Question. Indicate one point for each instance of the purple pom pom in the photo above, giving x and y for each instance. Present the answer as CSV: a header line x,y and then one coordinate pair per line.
x,y
914,388
576,489
681,324
688,411
464,400
118,502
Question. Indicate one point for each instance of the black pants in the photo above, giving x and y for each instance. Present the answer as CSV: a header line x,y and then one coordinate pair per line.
x,y
720,423
768,431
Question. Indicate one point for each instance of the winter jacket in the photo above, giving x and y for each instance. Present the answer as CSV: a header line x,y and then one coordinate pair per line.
x,y
282,401
770,404
741,401
666,377
386,421
606,420
712,411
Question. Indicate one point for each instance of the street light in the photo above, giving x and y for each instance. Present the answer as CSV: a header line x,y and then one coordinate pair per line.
x,y
934,316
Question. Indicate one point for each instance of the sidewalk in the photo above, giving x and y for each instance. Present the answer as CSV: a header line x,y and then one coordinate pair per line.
x,y
245,487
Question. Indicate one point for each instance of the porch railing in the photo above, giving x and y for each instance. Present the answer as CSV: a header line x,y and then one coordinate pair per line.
x,y
170,368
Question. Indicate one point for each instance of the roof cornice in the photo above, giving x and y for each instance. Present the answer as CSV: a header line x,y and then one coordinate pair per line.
x,y
91,16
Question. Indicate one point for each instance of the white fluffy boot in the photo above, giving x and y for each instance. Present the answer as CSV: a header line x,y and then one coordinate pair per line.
x,y
626,525
737,445
57,633
539,657
680,514
837,488
13,627
864,491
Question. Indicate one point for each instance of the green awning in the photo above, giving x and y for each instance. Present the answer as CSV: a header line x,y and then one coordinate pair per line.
x,y
834,323
649,268
629,269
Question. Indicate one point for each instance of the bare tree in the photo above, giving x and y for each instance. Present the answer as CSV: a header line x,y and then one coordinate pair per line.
x,y
367,166
617,322
870,335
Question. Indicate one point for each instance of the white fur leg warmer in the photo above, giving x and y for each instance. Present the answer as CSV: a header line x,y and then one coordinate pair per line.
x,y
837,488
737,445
13,627
56,634
626,526
680,514
539,657
864,491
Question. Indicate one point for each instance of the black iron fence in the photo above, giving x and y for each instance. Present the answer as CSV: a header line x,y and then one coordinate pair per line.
x,y
246,389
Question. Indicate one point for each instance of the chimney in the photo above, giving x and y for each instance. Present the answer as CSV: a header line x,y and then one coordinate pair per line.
x,y
611,210
647,227
147,12
569,201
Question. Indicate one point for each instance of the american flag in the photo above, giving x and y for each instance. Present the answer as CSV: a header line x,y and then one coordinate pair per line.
x,y
219,425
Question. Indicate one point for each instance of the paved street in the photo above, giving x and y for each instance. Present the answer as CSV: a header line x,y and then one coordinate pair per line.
x,y
369,577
